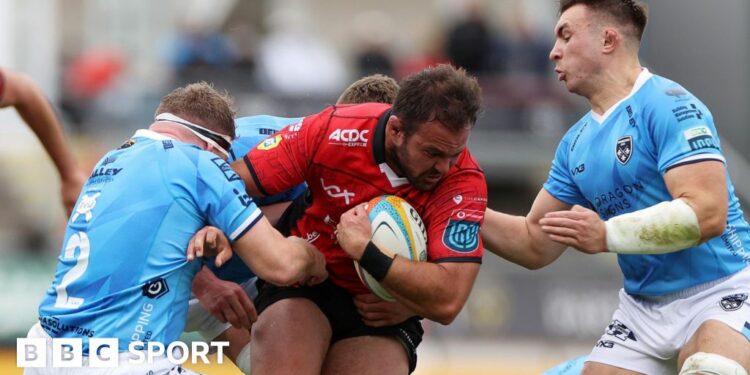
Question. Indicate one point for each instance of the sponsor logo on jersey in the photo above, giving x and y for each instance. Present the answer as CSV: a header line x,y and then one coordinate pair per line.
x,y
349,137
579,169
312,236
109,160
676,92
225,169
699,137
155,288
733,302
296,127
87,203
605,344
621,331
167,144
462,232
99,172
334,191
270,143
578,135
624,149
457,199
55,326
266,131
687,112
631,120
127,144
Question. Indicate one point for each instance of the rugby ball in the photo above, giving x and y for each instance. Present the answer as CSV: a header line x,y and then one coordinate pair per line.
x,y
397,229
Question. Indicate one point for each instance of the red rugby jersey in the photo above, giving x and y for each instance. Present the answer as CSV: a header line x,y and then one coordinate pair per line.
x,y
339,152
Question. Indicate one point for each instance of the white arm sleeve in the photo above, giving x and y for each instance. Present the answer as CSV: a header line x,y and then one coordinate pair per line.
x,y
663,228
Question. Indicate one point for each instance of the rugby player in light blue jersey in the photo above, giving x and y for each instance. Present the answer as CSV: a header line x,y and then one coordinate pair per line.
x,y
641,175
223,303
124,271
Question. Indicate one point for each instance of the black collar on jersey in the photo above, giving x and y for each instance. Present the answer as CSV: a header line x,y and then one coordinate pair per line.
x,y
378,139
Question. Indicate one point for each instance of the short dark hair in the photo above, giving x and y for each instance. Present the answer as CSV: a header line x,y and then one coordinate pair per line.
x,y
202,104
376,88
443,93
626,12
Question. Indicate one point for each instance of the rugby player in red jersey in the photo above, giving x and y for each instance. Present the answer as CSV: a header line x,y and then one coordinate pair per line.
x,y
415,149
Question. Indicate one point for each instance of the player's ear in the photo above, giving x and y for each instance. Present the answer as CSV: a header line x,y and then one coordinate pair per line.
x,y
395,128
610,40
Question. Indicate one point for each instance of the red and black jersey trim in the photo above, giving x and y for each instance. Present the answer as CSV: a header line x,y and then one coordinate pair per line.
x,y
378,140
254,176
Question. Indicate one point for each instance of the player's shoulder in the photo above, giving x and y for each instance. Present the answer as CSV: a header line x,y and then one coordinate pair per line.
x,y
661,94
466,162
364,110
261,125
466,170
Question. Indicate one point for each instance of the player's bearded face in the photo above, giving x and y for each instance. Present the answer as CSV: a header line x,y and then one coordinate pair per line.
x,y
426,156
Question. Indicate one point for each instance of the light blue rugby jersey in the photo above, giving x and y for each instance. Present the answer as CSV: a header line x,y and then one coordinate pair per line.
x,y
615,163
123,272
251,131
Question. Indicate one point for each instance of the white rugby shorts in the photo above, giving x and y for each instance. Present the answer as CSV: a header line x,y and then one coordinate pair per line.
x,y
647,333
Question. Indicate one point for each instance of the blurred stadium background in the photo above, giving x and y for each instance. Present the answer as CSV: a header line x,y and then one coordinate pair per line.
x,y
106,63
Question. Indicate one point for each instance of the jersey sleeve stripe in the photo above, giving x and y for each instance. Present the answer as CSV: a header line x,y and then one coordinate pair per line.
x,y
255,176
696,159
246,225
459,260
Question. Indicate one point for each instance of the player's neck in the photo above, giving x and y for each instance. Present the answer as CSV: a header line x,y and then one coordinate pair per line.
x,y
614,85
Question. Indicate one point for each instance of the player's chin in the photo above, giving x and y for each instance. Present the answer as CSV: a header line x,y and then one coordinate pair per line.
x,y
424,184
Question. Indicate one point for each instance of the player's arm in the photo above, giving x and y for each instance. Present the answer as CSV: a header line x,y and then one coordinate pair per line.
x,y
520,239
697,213
281,161
251,185
225,300
280,260
422,287
34,108
703,186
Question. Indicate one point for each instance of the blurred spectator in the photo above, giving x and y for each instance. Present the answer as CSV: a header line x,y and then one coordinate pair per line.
x,y
86,77
527,49
244,40
470,42
426,54
294,61
197,46
373,34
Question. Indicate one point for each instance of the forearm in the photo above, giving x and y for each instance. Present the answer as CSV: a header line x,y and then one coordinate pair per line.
x,y
287,264
423,289
518,239
37,112
202,281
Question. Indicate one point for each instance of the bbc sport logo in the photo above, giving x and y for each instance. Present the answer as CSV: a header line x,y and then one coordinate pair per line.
x,y
103,352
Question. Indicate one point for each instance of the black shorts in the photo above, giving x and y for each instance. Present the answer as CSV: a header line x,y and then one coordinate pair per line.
x,y
338,306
